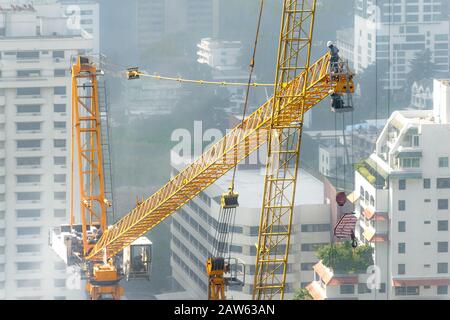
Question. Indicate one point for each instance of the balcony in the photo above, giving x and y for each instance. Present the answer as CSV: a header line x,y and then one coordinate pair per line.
x,y
371,235
371,175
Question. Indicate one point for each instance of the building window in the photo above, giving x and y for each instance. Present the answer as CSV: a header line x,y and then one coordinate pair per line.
x,y
401,268
307,266
410,162
29,283
59,125
59,178
443,162
442,267
28,73
402,184
28,144
442,204
402,247
407,291
442,247
426,183
382,288
28,231
372,201
315,227
58,54
443,225
28,266
59,143
443,183
60,196
29,108
28,178
28,196
401,205
347,289
59,108
28,126
362,288
28,213
28,91
28,248
60,91
442,290
27,55
59,73
28,161
401,226
59,161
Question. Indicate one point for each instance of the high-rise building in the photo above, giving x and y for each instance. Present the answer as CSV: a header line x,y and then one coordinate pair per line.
x,y
390,34
403,192
156,18
87,17
35,88
193,230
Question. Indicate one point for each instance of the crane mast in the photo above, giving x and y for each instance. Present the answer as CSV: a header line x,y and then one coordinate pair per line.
x,y
294,57
86,134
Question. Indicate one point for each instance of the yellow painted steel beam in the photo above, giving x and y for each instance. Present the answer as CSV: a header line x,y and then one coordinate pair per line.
x,y
294,57
87,150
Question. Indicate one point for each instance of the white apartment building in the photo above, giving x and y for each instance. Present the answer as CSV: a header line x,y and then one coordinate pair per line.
x,y
223,58
35,89
346,43
403,192
391,33
219,55
193,231
422,94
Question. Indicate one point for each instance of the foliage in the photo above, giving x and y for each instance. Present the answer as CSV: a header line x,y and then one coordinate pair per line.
x,y
422,67
361,168
302,294
343,259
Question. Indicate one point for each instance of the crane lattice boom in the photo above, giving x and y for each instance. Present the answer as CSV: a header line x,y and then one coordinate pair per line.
x,y
306,90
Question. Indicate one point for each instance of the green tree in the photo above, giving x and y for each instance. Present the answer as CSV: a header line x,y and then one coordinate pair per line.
x,y
302,294
421,67
342,258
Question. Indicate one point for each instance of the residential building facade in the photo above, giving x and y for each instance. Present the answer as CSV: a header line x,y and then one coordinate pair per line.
x,y
35,86
403,192
391,33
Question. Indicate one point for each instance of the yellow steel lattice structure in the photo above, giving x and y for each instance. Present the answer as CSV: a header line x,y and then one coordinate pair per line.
x,y
86,139
238,144
285,136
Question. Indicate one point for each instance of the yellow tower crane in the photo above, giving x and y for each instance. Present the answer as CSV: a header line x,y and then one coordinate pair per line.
x,y
300,85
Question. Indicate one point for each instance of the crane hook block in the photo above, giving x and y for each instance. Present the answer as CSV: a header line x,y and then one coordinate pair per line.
x,y
229,200
133,73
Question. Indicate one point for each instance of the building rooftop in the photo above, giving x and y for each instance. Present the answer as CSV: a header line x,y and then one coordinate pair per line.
x,y
250,186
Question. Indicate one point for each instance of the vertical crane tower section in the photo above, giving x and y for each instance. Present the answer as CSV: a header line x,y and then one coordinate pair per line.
x,y
294,54
86,138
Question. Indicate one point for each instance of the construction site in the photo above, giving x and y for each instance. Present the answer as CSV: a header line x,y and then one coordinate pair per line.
x,y
226,176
